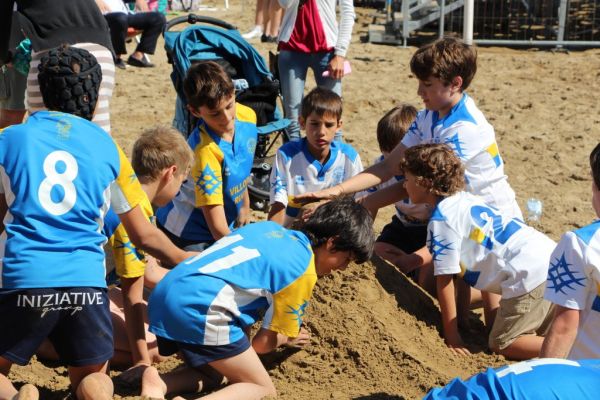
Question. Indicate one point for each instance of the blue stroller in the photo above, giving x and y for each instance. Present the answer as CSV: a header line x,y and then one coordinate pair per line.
x,y
256,87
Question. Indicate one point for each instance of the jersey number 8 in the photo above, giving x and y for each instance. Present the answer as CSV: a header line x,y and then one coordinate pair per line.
x,y
63,179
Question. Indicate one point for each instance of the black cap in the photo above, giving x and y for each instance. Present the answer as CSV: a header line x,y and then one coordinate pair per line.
x,y
69,79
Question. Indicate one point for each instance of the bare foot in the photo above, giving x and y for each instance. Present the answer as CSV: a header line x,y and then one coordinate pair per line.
x,y
96,386
27,392
152,385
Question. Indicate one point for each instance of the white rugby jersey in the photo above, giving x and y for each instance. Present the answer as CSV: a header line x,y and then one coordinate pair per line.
x,y
491,251
472,138
296,172
409,213
574,282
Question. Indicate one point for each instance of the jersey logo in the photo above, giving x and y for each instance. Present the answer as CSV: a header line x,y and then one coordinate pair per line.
x,y
437,248
337,176
130,249
298,312
299,179
455,142
63,128
251,145
208,181
560,276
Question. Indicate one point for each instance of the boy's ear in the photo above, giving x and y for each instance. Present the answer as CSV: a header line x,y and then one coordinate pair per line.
x,y
302,122
195,112
339,124
169,173
457,83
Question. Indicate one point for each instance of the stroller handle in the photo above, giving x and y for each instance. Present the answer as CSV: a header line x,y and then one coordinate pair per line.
x,y
194,19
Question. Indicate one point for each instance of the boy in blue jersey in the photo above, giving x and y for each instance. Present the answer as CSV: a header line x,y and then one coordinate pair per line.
x,y
490,251
59,175
545,378
214,200
574,286
204,306
315,162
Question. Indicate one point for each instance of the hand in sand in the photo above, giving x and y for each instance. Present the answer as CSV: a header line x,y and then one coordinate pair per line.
x,y
301,340
457,345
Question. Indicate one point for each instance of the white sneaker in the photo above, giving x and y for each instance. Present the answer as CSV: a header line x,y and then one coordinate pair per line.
x,y
254,33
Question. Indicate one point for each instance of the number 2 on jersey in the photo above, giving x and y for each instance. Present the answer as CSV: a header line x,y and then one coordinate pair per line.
x,y
62,179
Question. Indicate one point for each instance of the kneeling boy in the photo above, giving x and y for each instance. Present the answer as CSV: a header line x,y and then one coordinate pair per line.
x,y
488,249
203,306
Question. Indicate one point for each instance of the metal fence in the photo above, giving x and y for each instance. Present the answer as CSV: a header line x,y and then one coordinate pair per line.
x,y
522,22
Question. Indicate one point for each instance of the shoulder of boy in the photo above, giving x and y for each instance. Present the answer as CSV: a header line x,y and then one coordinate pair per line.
x,y
245,114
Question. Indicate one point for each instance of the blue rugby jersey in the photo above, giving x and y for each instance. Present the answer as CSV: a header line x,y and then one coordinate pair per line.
x,y
537,379
59,174
259,268
219,177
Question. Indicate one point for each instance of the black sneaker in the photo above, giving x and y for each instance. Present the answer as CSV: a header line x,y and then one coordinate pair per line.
x,y
139,63
119,63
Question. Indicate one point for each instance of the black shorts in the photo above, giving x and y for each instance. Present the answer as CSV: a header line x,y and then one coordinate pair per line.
x,y
197,355
76,320
407,238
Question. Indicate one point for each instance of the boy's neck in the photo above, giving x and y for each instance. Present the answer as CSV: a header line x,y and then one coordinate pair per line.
x,y
228,137
151,189
455,100
321,155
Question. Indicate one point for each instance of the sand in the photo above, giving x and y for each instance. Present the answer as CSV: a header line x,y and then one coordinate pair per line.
x,y
374,334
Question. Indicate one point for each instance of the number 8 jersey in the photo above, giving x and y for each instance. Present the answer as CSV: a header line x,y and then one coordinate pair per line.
x,y
59,174
489,250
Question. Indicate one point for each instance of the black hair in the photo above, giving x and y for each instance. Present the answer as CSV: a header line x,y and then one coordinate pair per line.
x,y
347,222
69,80
595,165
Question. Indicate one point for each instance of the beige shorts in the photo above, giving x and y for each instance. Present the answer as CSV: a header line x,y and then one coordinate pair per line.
x,y
527,314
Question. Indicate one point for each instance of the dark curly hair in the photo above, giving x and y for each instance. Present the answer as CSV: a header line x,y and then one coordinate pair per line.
x,y
436,167
445,59
347,222
69,80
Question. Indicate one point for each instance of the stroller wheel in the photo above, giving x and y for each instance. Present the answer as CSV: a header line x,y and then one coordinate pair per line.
x,y
258,187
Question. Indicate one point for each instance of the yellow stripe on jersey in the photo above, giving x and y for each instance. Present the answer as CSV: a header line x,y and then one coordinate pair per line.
x,y
207,172
478,236
244,113
289,304
129,261
128,182
495,153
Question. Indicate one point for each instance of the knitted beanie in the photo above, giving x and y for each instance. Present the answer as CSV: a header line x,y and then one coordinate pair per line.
x,y
69,80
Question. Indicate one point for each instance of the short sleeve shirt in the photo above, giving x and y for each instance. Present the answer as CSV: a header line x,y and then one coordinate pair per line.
x,y
219,176
472,138
261,269
491,251
574,282
296,171
59,174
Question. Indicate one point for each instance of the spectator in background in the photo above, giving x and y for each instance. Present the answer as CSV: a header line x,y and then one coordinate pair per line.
x,y
266,22
120,18
311,38
50,23
13,84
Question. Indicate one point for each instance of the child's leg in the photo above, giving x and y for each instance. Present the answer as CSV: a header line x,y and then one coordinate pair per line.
x,y
181,380
491,303
513,333
7,389
91,382
95,386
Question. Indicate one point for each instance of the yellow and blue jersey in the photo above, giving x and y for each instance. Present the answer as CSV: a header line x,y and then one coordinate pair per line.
x,y
574,282
129,261
261,268
219,176
60,174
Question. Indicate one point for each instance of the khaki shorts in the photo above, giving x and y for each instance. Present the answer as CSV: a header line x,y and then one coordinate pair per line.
x,y
527,314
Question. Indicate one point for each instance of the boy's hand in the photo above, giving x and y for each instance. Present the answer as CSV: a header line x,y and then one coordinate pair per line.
x,y
243,218
336,67
301,340
325,194
457,345
132,377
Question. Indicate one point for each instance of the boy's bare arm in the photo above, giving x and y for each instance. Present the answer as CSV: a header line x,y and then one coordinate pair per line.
x,y
447,299
134,309
277,213
244,216
266,340
384,197
149,238
560,338
216,221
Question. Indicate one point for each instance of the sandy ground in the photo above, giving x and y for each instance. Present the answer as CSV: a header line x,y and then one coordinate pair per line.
x,y
375,335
